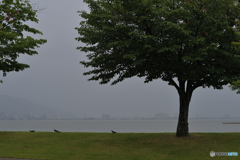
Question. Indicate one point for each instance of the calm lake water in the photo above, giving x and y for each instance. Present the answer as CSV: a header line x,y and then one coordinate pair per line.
x,y
124,126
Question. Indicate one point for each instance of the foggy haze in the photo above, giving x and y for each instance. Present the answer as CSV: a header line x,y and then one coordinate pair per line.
x,y
55,78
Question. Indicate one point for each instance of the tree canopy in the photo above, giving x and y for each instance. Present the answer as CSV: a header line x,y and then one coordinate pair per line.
x,y
189,44
14,15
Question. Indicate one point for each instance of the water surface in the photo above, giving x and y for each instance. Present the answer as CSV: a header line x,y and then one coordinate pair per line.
x,y
124,126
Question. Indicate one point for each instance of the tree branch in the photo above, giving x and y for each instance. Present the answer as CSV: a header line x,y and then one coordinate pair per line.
x,y
173,83
189,87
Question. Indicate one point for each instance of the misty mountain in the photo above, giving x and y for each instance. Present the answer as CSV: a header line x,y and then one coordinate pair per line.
x,y
21,106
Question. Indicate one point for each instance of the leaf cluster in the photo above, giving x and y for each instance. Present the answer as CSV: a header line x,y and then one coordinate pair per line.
x,y
235,86
14,15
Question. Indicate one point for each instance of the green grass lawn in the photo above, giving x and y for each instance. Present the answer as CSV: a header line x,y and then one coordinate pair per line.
x,y
120,146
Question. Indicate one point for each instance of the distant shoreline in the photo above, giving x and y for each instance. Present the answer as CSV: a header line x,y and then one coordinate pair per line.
x,y
231,122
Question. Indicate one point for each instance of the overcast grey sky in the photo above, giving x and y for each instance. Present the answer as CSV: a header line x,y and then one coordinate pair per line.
x,y
55,78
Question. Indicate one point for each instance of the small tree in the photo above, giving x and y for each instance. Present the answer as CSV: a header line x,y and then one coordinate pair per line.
x,y
189,44
14,15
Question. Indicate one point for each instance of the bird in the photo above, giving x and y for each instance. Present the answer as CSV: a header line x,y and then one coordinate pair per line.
x,y
32,130
113,131
57,131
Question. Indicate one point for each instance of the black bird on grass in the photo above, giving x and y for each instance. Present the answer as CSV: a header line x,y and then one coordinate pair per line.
x,y
32,130
113,131
57,131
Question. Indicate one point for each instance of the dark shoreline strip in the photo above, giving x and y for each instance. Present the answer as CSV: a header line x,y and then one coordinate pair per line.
x,y
231,122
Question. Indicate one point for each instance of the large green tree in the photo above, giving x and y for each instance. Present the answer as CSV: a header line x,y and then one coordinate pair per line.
x,y
15,16
189,44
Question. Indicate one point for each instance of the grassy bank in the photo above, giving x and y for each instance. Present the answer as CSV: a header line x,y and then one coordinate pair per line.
x,y
122,146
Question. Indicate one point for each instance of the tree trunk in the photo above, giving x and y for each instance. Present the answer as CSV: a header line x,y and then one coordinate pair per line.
x,y
184,98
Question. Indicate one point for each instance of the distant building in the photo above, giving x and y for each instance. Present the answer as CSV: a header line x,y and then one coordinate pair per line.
x,y
161,116
105,116
227,116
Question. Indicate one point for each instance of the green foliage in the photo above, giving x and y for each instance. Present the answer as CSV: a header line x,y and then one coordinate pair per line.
x,y
187,40
235,86
14,15
120,146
